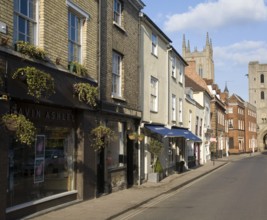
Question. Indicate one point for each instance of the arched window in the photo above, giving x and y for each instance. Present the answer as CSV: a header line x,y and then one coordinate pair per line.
x,y
262,95
262,78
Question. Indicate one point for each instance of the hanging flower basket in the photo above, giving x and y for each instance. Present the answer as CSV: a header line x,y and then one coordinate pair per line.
x,y
132,136
86,93
24,129
100,136
40,84
141,137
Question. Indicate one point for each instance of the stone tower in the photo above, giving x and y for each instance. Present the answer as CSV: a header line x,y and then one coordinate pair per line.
x,y
203,59
257,78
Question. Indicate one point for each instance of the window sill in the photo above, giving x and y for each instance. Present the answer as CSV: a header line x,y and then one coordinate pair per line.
x,y
119,27
152,111
174,78
154,55
118,98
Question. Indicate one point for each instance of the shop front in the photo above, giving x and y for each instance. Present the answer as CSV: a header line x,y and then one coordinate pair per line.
x,y
44,171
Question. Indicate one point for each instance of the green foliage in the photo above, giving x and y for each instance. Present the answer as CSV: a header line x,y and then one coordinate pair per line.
x,y
39,83
100,135
86,93
158,168
78,68
155,147
31,50
25,130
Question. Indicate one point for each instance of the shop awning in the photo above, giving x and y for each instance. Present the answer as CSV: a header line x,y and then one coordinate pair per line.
x,y
174,132
165,132
186,134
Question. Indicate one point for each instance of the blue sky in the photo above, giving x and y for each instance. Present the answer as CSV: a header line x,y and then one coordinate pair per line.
x,y
237,28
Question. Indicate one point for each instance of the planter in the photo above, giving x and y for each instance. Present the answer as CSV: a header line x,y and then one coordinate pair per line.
x,y
155,177
132,136
11,125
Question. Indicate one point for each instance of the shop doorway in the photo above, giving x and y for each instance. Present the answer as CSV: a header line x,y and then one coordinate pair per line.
x,y
130,162
101,171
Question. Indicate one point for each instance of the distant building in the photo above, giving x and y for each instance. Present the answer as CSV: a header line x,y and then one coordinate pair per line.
x,y
204,65
257,78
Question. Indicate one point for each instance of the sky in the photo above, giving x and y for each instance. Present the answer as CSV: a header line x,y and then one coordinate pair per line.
x,y
237,28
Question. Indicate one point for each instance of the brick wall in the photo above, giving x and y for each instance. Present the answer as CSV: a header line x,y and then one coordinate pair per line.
x,y
124,41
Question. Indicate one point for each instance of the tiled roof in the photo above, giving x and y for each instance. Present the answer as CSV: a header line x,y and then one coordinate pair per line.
x,y
193,80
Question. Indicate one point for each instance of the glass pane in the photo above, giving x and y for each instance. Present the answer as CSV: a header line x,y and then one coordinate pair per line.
x,y
22,25
16,5
24,7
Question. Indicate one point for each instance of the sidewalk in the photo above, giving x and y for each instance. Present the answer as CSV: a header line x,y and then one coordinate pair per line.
x,y
111,205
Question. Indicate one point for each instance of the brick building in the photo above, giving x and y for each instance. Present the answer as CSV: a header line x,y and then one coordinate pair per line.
x,y
58,166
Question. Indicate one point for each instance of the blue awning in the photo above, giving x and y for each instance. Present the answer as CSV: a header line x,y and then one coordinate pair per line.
x,y
165,132
187,134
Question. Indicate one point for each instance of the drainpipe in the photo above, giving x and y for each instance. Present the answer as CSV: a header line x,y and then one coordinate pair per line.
x,y
169,48
99,49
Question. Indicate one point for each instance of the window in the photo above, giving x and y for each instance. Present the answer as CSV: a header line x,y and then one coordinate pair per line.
x,y
190,121
74,37
117,12
25,21
196,131
262,95
230,123
173,108
262,78
200,127
154,44
230,110
116,74
173,59
200,71
181,73
154,94
76,20
180,111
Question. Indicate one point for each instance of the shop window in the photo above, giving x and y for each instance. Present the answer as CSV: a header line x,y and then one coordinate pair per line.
x,y
42,170
115,151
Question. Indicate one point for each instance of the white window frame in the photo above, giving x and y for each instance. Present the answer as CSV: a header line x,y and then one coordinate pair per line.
x,y
180,110
116,74
174,112
117,12
82,16
173,69
153,94
29,18
154,40
181,73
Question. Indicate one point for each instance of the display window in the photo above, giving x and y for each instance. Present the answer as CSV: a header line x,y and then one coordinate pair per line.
x,y
115,150
43,169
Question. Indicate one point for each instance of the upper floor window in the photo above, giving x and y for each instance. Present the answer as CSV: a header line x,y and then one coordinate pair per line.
x,y
262,78
196,131
230,110
173,59
154,44
173,107
117,12
180,111
76,19
153,94
116,74
262,95
181,73
190,121
74,37
25,21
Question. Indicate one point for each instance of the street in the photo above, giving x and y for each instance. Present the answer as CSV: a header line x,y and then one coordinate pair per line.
x,y
236,191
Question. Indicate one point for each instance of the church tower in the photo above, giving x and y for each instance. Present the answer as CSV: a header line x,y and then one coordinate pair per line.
x,y
203,59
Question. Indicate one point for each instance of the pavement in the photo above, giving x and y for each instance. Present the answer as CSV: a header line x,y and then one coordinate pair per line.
x,y
113,205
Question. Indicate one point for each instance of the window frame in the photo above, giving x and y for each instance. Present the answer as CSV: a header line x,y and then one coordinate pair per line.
x,y
173,67
27,20
83,16
116,74
174,109
180,110
154,42
154,94
117,12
